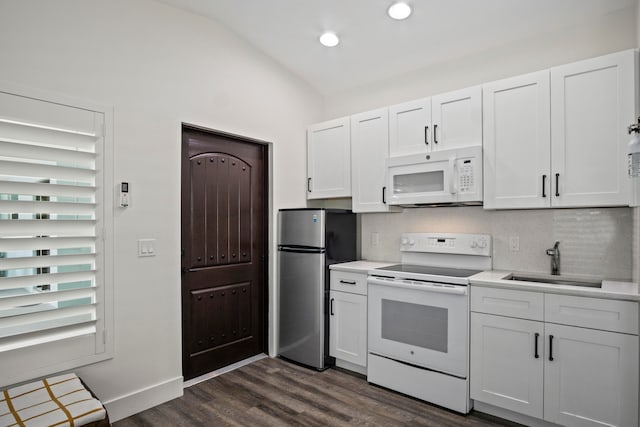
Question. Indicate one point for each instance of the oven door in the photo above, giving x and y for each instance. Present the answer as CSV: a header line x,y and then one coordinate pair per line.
x,y
422,324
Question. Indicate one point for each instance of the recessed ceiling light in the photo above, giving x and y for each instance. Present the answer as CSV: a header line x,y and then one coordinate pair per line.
x,y
329,39
399,11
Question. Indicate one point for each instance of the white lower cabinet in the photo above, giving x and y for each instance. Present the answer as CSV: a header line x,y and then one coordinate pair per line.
x,y
505,371
592,379
348,327
348,318
562,373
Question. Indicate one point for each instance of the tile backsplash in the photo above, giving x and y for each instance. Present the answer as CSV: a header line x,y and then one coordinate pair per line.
x,y
594,242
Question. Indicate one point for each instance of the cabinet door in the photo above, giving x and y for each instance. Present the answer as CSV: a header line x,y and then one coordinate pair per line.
x,y
348,327
592,103
592,379
457,119
370,149
516,116
410,128
329,159
505,370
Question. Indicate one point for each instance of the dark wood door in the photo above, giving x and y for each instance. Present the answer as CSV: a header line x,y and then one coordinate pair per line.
x,y
224,199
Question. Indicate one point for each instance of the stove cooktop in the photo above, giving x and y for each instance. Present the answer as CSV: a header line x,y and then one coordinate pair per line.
x,y
431,271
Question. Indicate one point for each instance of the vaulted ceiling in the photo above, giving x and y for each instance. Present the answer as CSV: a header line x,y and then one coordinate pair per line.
x,y
374,47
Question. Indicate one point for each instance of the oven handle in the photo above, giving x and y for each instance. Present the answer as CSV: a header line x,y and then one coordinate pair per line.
x,y
428,287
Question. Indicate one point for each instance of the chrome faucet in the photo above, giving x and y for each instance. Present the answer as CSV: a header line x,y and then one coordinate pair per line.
x,y
554,253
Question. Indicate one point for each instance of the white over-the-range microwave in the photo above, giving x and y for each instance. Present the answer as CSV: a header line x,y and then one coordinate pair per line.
x,y
440,177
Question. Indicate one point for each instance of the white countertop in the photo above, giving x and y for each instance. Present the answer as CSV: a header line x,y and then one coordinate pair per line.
x,y
610,289
360,266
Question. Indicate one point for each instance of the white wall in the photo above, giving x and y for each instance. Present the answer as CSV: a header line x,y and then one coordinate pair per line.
x,y
610,33
608,232
157,66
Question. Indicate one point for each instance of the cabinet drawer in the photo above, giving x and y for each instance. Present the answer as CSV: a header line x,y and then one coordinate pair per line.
x,y
594,313
355,283
505,302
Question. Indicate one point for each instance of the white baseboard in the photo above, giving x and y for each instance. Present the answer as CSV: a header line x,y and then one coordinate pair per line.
x,y
143,399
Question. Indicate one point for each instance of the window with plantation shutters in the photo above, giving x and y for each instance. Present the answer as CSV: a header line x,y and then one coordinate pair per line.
x,y
54,293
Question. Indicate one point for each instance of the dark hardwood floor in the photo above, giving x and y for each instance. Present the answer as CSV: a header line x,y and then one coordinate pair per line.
x,y
273,392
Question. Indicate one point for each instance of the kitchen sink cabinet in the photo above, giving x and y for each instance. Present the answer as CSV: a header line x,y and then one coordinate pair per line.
x,y
348,318
557,138
505,371
446,121
369,149
562,373
592,379
329,159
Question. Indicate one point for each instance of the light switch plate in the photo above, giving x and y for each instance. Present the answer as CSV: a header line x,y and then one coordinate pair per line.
x,y
514,243
146,247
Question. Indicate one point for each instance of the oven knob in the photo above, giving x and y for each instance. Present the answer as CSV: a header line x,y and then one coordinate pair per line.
x,y
405,241
474,244
412,242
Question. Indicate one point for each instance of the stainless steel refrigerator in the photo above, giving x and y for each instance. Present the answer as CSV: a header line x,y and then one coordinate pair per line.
x,y
309,240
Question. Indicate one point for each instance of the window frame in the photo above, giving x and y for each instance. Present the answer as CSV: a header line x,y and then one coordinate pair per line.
x,y
32,364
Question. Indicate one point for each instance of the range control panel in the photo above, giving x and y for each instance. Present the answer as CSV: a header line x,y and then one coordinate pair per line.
x,y
447,243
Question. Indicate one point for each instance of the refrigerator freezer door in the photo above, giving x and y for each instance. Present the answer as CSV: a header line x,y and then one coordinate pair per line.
x,y
302,320
302,228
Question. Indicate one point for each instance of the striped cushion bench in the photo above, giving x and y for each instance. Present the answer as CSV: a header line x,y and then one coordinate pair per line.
x,y
58,401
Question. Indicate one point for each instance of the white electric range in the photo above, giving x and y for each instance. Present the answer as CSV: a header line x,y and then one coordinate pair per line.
x,y
418,317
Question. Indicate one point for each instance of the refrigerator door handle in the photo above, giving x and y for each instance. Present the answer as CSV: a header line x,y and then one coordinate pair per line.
x,y
301,249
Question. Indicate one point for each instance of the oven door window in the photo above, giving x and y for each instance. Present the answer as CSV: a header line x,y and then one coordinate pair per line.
x,y
406,323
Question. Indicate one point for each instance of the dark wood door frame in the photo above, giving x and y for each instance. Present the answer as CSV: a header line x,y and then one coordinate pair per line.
x,y
266,147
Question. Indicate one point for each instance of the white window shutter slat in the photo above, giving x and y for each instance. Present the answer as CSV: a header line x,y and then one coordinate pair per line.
x,y
52,179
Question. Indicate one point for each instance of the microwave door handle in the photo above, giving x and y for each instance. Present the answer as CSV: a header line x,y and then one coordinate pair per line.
x,y
453,172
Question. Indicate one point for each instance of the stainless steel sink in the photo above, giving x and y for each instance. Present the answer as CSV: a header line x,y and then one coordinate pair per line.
x,y
558,281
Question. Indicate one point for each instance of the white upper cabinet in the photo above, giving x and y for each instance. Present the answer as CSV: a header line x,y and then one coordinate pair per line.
x,y
370,149
558,138
517,141
329,159
410,128
457,119
592,103
447,121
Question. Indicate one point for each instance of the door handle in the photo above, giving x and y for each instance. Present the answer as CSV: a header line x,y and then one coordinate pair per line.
x,y
384,195
348,282
557,189
453,170
331,307
309,184
435,137
535,354
544,185
426,135
550,348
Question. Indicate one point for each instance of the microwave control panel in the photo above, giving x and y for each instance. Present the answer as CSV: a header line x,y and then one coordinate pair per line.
x,y
466,182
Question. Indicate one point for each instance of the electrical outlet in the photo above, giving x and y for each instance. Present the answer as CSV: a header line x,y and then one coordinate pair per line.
x,y
514,243
375,238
